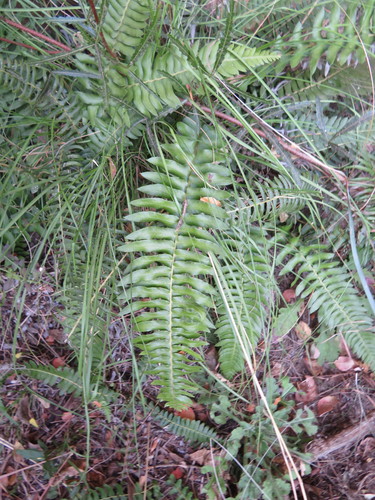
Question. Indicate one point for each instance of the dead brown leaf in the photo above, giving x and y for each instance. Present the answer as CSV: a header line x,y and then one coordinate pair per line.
x,y
308,386
303,331
326,404
289,295
345,363
313,366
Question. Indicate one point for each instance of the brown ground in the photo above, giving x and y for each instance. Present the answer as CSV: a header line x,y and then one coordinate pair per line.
x,y
36,420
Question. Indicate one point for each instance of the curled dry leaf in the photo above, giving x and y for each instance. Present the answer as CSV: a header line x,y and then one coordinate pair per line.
x,y
209,199
303,331
308,386
345,363
326,404
289,295
188,414
313,366
314,352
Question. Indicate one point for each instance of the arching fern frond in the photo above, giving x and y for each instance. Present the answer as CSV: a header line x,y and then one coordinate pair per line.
x,y
336,33
332,294
270,199
248,288
67,380
173,240
106,492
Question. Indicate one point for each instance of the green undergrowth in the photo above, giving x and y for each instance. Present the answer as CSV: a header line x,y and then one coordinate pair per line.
x,y
172,173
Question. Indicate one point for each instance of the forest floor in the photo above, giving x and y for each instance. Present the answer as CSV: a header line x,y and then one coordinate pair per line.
x,y
43,432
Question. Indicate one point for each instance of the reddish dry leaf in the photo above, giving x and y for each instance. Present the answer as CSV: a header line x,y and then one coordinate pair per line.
x,y
289,295
308,386
178,472
58,362
303,331
345,363
326,404
250,408
188,413
202,457
313,367
314,352
7,481
201,412
212,358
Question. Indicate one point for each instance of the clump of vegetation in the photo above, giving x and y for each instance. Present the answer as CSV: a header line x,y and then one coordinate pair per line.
x,y
170,172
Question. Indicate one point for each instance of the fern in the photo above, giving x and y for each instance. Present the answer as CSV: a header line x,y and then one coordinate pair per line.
x,y
67,380
270,199
176,236
125,23
238,58
248,291
330,34
105,492
192,430
331,293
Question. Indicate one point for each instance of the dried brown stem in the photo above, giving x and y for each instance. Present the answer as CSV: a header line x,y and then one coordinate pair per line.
x,y
27,46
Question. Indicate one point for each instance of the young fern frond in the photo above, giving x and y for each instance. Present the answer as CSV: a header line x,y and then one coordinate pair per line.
x,y
238,58
191,430
248,289
106,492
175,236
332,295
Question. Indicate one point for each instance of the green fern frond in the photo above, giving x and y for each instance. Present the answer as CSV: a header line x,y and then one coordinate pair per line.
x,y
238,58
124,24
67,380
269,199
336,33
106,492
248,289
176,236
332,294
192,430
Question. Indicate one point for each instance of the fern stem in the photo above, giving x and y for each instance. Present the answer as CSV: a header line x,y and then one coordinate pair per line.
x,y
35,33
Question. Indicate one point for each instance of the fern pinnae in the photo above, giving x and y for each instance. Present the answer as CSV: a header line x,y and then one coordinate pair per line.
x,y
332,294
169,333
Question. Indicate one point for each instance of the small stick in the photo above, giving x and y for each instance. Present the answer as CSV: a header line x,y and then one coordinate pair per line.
x,y
291,147
27,46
